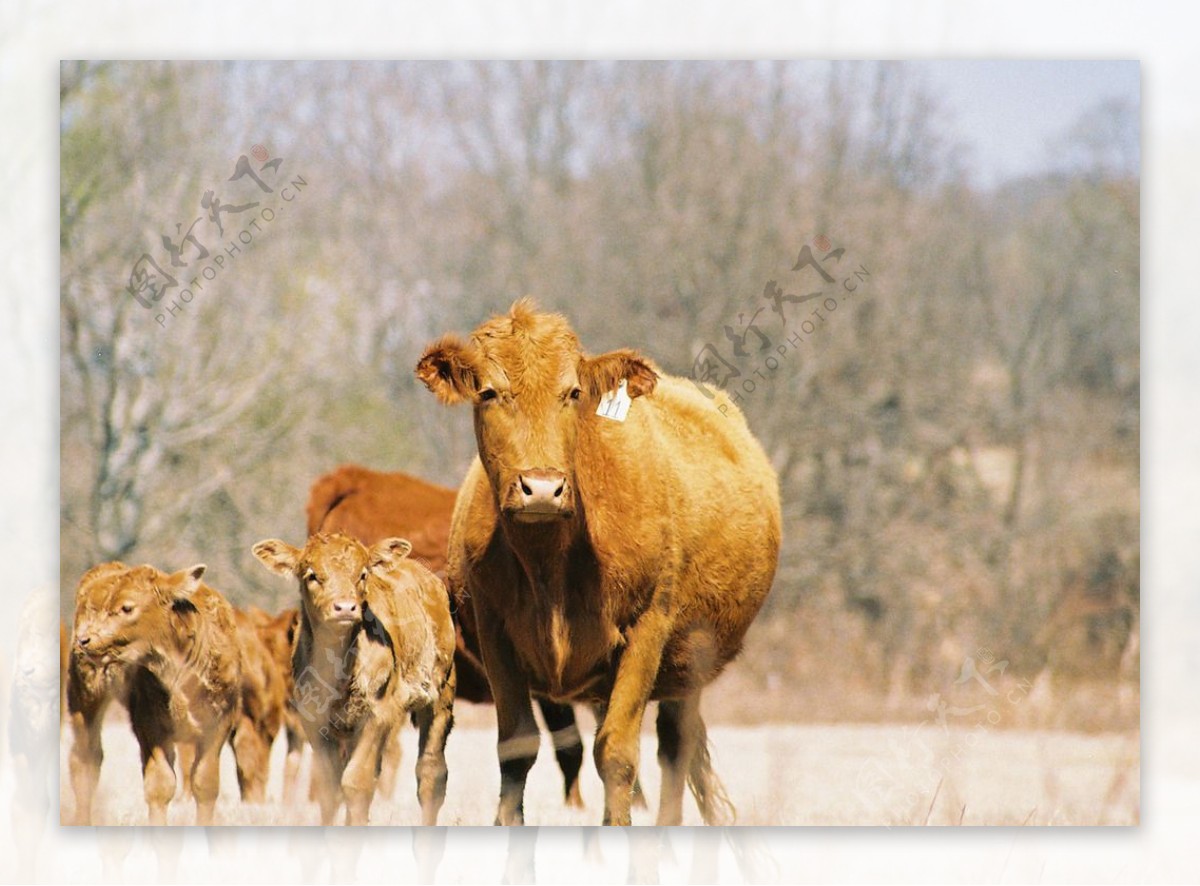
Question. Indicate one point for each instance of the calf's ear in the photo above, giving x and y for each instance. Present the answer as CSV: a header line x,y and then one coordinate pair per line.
x,y
278,556
448,369
388,552
603,373
186,582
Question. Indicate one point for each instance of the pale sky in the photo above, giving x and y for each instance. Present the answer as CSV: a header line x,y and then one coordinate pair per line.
x,y
1006,112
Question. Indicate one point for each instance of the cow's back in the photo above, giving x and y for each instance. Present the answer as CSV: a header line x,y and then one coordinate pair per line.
x,y
373,505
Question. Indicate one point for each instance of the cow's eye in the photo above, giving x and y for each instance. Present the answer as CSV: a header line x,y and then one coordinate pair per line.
x,y
487,394
575,393
310,577
363,577
127,608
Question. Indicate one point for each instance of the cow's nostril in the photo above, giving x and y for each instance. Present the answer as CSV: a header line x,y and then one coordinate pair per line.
x,y
558,491
525,487
84,641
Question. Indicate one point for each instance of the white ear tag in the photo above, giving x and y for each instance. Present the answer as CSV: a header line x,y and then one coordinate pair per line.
x,y
615,404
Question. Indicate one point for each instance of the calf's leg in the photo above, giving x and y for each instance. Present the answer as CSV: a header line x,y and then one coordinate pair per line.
x,y
389,765
206,778
252,754
291,764
185,759
359,777
86,756
158,778
326,778
434,724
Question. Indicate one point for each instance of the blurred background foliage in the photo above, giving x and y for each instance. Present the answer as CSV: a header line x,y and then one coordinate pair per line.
x,y
957,444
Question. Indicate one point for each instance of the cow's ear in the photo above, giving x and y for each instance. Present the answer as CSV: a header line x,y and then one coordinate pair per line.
x,y
278,556
185,582
598,375
385,554
448,368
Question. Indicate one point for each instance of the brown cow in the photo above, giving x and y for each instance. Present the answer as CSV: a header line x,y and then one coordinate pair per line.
x,y
611,561
372,505
375,643
166,647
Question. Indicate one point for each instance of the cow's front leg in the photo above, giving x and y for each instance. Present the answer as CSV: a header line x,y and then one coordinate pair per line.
x,y
568,746
517,737
618,746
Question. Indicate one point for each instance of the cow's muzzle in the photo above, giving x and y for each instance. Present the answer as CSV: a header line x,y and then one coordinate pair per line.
x,y
540,495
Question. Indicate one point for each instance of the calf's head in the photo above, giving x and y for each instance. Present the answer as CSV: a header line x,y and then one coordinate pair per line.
x,y
333,571
122,612
530,385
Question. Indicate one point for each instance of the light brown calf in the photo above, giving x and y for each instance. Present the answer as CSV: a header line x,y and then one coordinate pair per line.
x,y
166,647
375,644
264,695
278,634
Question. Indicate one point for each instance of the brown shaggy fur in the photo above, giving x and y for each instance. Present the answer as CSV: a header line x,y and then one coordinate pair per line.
x,y
641,582
375,644
166,647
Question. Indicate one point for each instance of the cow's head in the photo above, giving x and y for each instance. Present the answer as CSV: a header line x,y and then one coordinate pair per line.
x,y
530,384
333,571
121,613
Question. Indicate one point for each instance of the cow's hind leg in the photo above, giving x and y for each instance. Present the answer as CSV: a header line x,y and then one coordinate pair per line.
x,y
678,722
568,746
434,724
683,752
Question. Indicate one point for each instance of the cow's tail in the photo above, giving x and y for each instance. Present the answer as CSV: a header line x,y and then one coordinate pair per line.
x,y
715,806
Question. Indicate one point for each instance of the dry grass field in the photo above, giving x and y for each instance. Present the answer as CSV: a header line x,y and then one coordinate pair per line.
x,y
775,774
